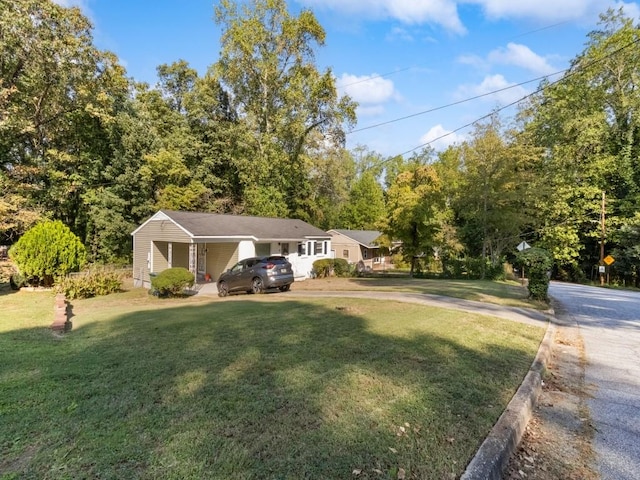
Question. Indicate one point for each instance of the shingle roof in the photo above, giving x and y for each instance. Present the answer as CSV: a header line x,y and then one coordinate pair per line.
x,y
220,225
363,237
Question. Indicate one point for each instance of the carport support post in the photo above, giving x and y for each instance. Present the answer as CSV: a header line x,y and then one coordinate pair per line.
x,y
193,251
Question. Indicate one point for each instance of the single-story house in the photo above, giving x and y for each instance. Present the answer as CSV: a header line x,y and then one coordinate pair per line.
x,y
208,243
359,247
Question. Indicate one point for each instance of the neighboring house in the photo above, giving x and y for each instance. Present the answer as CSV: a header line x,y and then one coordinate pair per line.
x,y
208,244
359,247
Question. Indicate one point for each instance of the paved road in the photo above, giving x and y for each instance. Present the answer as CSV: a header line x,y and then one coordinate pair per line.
x,y
609,321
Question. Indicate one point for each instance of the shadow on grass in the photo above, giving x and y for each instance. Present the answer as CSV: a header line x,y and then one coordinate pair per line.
x,y
252,390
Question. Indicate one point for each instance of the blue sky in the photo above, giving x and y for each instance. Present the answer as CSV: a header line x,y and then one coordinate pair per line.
x,y
397,58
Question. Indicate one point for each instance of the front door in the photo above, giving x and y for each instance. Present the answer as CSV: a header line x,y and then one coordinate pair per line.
x,y
202,260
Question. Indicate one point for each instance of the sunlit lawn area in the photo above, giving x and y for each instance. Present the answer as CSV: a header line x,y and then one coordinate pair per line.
x,y
508,293
250,388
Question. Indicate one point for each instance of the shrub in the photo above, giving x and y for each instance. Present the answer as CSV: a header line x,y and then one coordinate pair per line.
x,y
327,267
473,268
537,263
323,267
17,281
341,267
90,284
46,251
172,281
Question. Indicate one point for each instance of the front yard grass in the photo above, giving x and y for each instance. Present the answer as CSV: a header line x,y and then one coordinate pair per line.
x,y
256,389
508,293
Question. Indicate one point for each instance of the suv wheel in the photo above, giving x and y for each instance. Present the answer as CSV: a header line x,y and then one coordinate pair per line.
x,y
257,286
285,288
223,289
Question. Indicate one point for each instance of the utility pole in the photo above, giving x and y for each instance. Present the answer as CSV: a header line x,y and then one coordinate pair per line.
x,y
602,266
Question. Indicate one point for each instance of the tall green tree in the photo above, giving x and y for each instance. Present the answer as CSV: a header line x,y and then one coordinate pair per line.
x,y
492,204
267,64
588,123
365,208
58,99
414,203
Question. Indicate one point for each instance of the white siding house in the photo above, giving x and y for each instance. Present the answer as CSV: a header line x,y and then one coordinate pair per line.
x,y
208,244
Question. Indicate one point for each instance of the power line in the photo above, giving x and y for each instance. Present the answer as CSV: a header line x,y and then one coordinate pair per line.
x,y
569,74
458,102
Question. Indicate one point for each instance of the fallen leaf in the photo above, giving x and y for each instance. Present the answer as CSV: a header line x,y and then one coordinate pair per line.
x,y
406,424
379,472
401,474
393,450
356,471
451,439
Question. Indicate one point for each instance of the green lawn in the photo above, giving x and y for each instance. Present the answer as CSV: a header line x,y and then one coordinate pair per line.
x,y
508,293
248,389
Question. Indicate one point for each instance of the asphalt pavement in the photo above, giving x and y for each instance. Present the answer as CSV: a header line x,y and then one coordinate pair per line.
x,y
609,321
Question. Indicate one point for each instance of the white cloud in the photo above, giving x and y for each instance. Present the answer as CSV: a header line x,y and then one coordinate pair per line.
x,y
521,56
398,33
509,94
550,10
445,12
367,89
440,138
413,12
473,60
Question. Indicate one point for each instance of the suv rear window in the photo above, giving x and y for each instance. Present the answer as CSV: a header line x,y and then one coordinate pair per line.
x,y
277,260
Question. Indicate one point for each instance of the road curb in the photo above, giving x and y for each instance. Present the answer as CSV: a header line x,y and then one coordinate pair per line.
x,y
493,455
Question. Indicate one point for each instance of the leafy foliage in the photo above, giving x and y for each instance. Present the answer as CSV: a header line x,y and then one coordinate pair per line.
x,y
46,251
172,281
414,202
327,267
538,263
267,63
90,284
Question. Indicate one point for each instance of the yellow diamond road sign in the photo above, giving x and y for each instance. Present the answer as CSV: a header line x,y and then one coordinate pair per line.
x,y
609,259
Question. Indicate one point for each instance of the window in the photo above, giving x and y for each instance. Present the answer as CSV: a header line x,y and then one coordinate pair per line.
x,y
302,248
325,247
284,249
345,253
365,253
318,250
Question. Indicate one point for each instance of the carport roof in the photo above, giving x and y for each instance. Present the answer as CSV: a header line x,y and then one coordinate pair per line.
x,y
207,225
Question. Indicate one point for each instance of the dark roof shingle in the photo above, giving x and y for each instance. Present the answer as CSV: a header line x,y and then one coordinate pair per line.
x,y
201,224
363,237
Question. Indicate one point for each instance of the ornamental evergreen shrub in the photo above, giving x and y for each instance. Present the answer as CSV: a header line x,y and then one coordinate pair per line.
x,y
47,251
172,281
537,263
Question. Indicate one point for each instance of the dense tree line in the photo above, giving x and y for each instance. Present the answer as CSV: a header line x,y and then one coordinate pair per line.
x,y
263,131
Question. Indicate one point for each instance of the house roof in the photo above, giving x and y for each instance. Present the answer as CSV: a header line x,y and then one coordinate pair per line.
x,y
208,225
365,238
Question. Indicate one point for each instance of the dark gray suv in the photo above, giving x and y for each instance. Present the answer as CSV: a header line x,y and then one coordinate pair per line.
x,y
255,275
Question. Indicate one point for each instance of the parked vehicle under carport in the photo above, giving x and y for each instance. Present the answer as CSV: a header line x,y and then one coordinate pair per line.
x,y
256,275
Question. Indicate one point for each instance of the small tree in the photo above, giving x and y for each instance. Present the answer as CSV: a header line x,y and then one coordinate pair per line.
x,y
538,263
46,251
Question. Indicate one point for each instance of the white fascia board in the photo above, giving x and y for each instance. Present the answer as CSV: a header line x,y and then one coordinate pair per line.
x,y
161,216
222,238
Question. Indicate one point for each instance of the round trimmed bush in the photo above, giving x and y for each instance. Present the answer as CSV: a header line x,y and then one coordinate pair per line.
x,y
172,281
